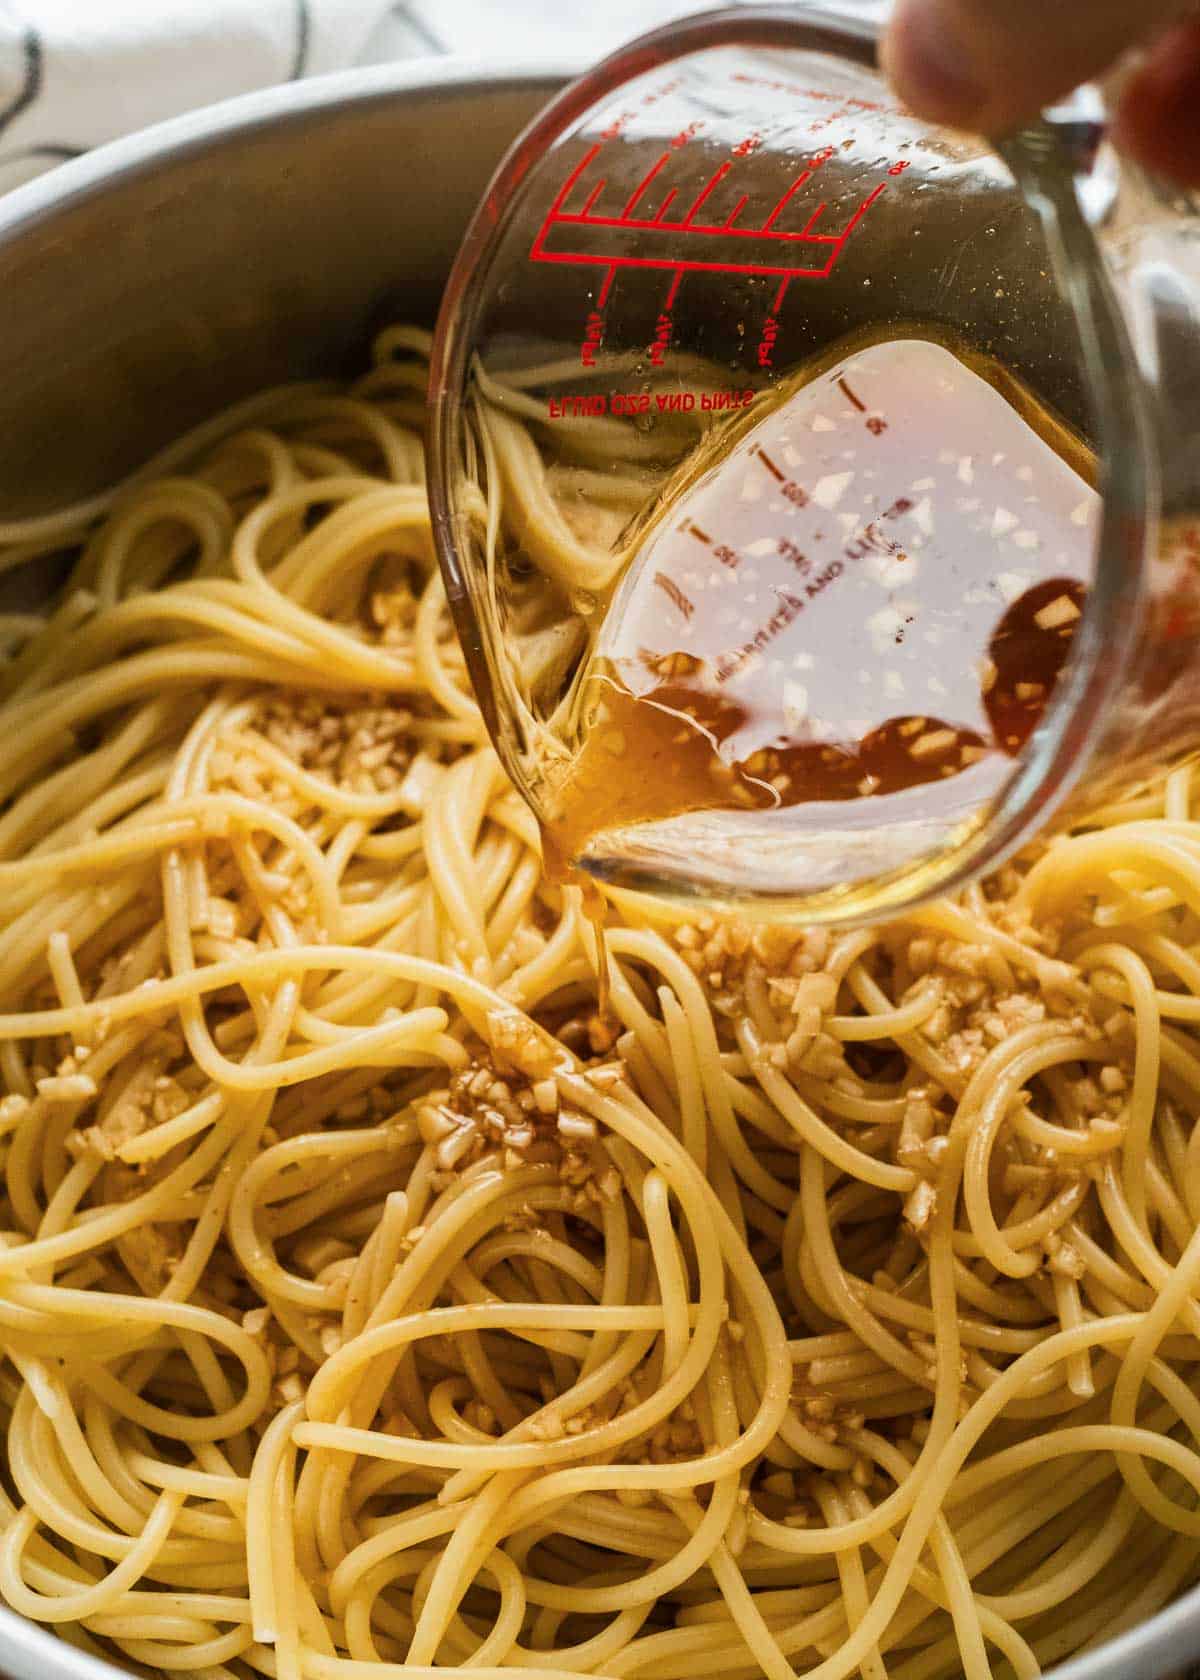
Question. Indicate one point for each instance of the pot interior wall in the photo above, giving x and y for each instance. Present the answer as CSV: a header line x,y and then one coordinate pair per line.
x,y
269,250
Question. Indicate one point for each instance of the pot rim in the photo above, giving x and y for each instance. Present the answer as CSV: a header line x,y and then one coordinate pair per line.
x,y
269,107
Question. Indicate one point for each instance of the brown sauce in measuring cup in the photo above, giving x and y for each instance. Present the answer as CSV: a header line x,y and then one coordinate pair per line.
x,y
659,754
670,734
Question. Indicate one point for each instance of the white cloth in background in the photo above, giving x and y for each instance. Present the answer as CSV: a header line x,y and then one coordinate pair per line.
x,y
554,29
561,30
74,73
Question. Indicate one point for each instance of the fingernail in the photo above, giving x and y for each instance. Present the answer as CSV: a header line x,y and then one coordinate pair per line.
x,y
929,67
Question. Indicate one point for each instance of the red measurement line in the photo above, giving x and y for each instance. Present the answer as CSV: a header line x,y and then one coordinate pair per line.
x,y
835,242
673,592
850,397
795,187
594,195
790,270
735,212
673,293
777,305
700,536
645,182
606,286
714,180
770,465
862,210
561,196
574,220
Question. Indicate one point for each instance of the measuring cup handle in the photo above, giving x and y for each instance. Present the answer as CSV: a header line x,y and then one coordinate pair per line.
x,y
1151,238
1149,233
1152,245
1137,308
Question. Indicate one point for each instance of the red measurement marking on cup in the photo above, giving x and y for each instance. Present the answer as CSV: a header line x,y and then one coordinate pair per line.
x,y
789,489
685,241
727,556
769,464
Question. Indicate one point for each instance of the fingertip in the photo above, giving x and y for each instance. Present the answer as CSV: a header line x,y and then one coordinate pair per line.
x,y
1158,119
987,66
930,67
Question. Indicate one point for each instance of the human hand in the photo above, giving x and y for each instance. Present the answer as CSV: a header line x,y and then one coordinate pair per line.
x,y
991,64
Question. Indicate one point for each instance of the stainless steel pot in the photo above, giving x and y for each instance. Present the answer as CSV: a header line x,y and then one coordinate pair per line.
x,y
157,279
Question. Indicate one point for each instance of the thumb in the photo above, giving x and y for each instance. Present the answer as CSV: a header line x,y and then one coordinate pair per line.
x,y
991,64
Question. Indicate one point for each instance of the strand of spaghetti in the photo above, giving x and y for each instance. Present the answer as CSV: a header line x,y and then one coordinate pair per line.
x,y
189,820
344,1668
1178,1288
812,1128
41,731
262,967
280,1539
321,791
390,1044
852,1578
1139,1117
844,1303
933,1587
1051,973
261,406
409,1530
87,1602
1028,1054
192,605
453,698
457,1566
1092,856
259,1514
888,1023
931,1495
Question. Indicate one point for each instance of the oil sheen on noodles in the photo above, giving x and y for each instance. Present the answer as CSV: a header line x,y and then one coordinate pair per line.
x,y
832,1310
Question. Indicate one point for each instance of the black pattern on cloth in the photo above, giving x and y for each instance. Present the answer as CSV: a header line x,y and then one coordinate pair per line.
x,y
31,85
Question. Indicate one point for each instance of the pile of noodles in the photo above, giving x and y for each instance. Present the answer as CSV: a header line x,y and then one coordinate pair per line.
x,y
366,1296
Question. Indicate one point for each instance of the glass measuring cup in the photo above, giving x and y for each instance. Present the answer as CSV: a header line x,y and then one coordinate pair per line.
x,y
814,490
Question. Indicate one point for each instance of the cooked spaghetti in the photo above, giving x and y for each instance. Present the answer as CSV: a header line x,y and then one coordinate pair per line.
x,y
830,1307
